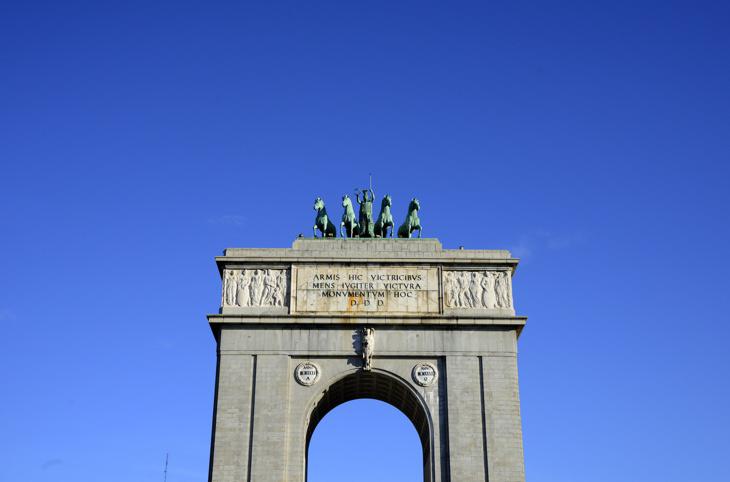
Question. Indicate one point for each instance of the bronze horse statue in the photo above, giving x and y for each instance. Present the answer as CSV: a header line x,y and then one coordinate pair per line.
x,y
348,219
367,227
385,219
322,221
412,222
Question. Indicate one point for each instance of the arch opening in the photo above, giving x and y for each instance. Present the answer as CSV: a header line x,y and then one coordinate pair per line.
x,y
385,388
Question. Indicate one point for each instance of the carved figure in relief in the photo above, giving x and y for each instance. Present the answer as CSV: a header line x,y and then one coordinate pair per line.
x,y
279,289
502,289
474,290
488,298
348,219
450,289
461,290
230,288
412,222
385,219
242,291
322,221
255,287
367,227
368,347
267,296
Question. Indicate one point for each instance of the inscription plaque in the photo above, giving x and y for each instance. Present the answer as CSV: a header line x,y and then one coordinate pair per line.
x,y
345,290
424,374
306,373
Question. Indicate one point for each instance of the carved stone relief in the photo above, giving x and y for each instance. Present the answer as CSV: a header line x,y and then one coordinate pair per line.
x,y
255,287
478,289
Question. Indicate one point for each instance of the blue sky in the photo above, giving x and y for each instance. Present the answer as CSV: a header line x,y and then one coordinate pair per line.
x,y
139,139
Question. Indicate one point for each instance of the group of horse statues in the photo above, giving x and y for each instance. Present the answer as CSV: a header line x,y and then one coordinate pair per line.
x,y
364,225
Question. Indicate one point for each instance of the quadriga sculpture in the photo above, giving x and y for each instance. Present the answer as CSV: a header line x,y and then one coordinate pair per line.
x,y
349,221
322,221
385,219
412,222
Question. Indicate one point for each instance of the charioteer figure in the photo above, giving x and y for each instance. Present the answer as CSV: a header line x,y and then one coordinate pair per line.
x,y
367,224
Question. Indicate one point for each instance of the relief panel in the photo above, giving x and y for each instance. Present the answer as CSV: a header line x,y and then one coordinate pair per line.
x,y
481,290
255,288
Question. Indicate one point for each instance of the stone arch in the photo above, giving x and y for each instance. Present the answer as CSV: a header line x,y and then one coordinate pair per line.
x,y
386,387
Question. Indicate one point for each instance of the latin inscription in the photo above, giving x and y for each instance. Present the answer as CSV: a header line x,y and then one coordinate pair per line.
x,y
377,289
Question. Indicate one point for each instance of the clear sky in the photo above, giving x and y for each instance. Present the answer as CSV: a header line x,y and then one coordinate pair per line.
x,y
139,139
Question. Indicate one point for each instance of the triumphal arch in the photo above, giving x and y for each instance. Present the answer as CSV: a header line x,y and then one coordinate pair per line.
x,y
429,330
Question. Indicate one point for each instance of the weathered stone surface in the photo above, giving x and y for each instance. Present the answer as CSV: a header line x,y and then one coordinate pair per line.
x,y
269,398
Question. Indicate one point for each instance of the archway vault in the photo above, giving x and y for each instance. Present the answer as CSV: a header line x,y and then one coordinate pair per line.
x,y
383,386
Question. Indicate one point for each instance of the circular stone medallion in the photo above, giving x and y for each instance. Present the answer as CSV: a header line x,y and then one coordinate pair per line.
x,y
424,374
306,373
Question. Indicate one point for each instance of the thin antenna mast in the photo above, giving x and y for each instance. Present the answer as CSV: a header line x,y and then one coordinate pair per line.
x,y
167,457
371,181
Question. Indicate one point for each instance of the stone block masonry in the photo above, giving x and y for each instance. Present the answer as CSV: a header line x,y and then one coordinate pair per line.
x,y
291,346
